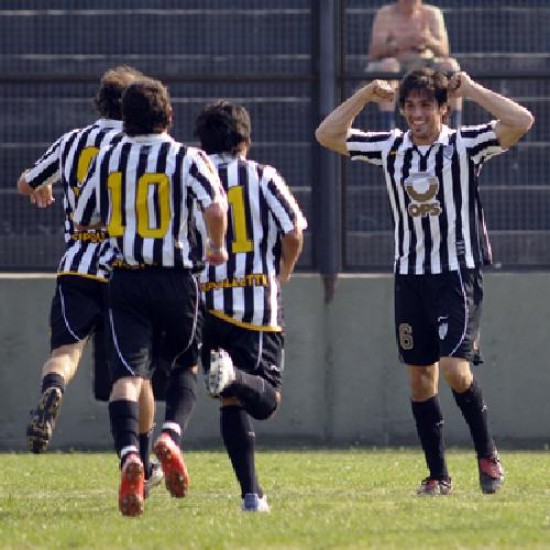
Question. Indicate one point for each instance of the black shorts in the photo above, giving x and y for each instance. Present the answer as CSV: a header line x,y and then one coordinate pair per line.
x,y
252,351
437,315
77,309
148,304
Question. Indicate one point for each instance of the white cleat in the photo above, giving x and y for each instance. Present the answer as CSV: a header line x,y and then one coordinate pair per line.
x,y
253,503
221,373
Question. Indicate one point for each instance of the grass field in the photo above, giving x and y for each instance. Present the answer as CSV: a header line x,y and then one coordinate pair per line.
x,y
319,499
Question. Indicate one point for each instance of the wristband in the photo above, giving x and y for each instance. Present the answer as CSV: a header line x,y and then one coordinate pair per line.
x,y
216,249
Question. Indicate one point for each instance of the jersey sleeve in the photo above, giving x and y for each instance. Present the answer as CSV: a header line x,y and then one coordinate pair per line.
x,y
481,141
47,169
281,202
368,146
203,179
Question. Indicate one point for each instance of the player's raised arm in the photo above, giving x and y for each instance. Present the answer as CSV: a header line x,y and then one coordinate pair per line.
x,y
514,120
333,131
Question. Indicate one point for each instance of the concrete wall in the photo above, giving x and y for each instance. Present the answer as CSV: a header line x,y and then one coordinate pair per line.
x,y
343,384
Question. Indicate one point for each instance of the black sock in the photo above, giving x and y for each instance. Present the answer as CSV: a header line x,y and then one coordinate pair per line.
x,y
387,120
124,416
429,425
145,440
181,397
238,437
53,380
257,396
474,412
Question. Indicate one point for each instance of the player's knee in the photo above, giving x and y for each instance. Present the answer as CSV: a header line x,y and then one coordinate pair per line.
x,y
264,409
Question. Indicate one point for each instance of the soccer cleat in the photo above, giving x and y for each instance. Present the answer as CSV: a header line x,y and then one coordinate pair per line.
x,y
221,373
435,487
156,475
491,474
176,477
130,493
253,503
42,421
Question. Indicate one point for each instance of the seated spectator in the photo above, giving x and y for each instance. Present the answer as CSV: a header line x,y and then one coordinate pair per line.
x,y
408,34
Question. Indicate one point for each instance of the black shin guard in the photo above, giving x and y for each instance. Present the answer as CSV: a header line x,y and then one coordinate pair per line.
x,y
474,411
429,425
238,438
257,396
124,416
181,397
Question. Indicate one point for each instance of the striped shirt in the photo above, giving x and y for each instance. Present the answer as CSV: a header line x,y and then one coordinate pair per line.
x,y
434,195
67,160
245,290
142,189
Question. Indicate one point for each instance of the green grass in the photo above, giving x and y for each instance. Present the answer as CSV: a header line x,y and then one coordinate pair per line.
x,y
320,499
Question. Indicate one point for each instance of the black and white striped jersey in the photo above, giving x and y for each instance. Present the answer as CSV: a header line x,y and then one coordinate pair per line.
x,y
433,190
67,161
142,189
245,290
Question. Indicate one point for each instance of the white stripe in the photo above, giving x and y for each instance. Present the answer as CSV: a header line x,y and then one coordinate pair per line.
x,y
64,313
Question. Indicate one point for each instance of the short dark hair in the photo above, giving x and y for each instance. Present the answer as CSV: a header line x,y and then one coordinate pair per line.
x,y
146,108
223,127
433,83
113,82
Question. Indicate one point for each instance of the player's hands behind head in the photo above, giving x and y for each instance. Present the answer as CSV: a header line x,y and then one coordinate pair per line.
x,y
379,91
460,84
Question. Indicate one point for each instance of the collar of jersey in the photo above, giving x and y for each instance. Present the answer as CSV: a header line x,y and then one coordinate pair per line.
x,y
224,158
443,137
110,123
151,138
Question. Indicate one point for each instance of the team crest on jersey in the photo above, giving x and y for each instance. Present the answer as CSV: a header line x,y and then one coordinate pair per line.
x,y
422,188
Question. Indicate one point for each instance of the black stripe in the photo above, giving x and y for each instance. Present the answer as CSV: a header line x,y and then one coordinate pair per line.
x,y
400,226
230,237
264,220
141,168
122,167
408,220
456,182
178,193
159,169
248,292
443,216
425,220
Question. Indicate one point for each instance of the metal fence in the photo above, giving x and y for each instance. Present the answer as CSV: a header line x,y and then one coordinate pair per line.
x,y
275,57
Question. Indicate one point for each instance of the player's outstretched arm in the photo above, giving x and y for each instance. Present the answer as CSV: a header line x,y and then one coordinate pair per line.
x,y
514,120
333,131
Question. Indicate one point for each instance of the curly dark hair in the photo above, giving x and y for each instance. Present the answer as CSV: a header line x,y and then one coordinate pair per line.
x,y
113,82
146,108
223,127
425,80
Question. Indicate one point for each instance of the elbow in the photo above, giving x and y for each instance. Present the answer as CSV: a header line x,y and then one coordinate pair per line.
x,y
321,136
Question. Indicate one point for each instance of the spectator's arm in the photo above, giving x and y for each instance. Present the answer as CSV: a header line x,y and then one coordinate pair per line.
x,y
381,44
435,35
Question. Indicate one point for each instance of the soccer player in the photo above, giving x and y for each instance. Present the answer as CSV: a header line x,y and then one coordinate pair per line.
x,y
78,306
441,243
243,338
143,190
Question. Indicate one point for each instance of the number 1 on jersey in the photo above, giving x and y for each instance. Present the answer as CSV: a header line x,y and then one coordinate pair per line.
x,y
241,236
